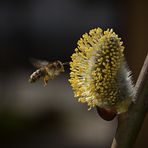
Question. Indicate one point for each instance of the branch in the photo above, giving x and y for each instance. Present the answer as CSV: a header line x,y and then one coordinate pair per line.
x,y
129,123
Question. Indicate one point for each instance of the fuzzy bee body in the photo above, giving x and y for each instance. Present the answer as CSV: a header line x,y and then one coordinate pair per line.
x,y
46,71
37,75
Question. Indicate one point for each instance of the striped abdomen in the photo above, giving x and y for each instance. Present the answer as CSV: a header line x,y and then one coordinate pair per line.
x,y
37,75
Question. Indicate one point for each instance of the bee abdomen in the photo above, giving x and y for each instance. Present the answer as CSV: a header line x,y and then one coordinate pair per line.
x,y
36,76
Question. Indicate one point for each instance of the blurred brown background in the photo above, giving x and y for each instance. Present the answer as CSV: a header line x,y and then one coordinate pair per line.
x,y
34,116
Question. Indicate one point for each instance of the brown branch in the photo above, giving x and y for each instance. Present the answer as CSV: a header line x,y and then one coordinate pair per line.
x,y
129,123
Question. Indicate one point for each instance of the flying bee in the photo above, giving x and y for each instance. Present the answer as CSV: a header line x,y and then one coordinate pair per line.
x,y
46,70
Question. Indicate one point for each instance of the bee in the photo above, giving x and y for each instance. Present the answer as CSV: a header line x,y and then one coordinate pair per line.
x,y
46,70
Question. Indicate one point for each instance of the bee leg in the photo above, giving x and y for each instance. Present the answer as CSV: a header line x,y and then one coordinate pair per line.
x,y
45,83
45,79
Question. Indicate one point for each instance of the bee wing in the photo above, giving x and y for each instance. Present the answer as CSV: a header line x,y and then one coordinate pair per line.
x,y
38,63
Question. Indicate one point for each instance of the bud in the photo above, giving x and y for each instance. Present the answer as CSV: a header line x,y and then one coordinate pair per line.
x,y
99,74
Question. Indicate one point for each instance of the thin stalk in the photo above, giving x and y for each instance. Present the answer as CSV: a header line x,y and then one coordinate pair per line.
x,y
129,123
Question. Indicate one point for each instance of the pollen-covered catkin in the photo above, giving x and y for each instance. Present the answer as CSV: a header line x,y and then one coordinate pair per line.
x,y
99,75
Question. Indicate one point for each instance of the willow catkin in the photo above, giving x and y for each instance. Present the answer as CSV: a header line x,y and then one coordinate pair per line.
x,y
99,74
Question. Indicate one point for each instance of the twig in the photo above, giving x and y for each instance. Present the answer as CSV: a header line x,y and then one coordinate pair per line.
x,y
129,123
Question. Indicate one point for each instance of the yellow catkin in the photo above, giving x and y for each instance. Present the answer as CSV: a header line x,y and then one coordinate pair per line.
x,y
94,68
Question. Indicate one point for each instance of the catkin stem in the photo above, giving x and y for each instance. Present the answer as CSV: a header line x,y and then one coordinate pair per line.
x,y
129,123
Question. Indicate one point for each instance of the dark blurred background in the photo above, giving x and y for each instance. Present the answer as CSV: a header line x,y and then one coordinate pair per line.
x,y
34,116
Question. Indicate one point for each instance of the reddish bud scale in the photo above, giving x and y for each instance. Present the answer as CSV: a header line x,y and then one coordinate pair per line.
x,y
106,114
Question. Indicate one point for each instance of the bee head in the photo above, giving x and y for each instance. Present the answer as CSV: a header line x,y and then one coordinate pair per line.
x,y
59,65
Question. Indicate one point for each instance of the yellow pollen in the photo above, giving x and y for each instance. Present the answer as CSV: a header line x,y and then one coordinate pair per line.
x,y
94,67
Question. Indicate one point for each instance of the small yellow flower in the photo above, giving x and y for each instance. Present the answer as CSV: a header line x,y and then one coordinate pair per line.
x,y
99,75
